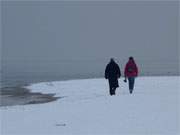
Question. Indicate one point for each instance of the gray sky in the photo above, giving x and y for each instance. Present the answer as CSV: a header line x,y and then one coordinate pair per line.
x,y
92,31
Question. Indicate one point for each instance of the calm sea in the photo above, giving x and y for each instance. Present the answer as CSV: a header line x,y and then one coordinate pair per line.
x,y
19,73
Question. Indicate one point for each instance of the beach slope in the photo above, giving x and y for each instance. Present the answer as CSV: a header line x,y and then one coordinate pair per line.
x,y
85,107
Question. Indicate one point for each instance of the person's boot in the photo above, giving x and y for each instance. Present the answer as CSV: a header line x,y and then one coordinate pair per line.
x,y
114,91
130,91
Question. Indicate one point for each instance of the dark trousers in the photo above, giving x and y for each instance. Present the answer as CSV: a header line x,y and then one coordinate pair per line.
x,y
131,81
112,91
113,84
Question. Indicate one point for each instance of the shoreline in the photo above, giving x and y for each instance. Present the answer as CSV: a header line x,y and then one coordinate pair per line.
x,y
21,95
11,96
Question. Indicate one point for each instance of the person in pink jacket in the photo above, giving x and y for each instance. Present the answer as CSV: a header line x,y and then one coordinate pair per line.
x,y
131,72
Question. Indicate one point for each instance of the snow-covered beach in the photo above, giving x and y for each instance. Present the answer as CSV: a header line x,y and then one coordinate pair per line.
x,y
85,107
56,54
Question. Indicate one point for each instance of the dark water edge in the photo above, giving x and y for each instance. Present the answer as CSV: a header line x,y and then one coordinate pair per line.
x,y
10,96
12,91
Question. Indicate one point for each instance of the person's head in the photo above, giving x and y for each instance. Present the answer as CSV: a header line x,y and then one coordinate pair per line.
x,y
131,58
112,60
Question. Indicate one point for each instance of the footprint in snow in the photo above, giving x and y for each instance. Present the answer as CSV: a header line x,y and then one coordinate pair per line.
x,y
61,125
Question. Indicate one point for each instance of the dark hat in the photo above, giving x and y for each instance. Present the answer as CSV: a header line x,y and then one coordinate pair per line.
x,y
112,59
131,58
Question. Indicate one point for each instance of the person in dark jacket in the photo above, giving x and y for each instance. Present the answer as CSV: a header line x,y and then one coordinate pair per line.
x,y
112,73
131,72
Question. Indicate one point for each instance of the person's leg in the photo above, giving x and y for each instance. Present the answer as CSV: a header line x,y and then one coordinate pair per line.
x,y
114,91
110,90
133,80
111,87
131,84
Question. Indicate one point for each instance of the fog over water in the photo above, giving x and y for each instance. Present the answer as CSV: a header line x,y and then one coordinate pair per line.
x,y
55,40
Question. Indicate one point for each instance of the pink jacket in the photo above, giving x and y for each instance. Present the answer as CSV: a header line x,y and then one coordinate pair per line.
x,y
131,69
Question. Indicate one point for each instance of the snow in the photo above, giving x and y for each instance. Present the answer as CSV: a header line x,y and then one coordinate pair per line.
x,y
85,107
